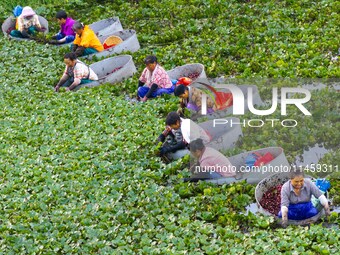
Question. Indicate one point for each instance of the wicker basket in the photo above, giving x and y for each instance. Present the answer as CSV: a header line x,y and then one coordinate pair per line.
x,y
112,41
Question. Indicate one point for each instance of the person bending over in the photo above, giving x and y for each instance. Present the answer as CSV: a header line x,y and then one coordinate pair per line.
x,y
177,136
212,163
28,24
76,73
191,98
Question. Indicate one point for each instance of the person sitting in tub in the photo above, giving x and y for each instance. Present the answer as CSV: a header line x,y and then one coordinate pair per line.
x,y
154,80
76,73
27,24
86,41
296,198
212,164
66,33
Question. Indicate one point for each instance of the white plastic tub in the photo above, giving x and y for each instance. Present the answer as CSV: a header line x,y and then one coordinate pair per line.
x,y
106,26
9,24
186,71
130,43
105,69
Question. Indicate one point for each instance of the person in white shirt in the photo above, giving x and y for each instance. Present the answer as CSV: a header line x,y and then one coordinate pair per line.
x,y
177,136
186,130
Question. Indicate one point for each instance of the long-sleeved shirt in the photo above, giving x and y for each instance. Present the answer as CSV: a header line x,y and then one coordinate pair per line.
x,y
215,161
88,39
66,28
159,76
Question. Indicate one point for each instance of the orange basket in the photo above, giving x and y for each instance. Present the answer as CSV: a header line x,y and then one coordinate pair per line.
x,y
112,41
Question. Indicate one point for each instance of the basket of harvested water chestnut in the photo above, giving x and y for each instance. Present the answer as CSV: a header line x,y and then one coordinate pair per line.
x,y
112,70
268,198
192,71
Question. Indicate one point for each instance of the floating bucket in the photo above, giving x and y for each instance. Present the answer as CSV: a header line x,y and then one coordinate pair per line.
x,y
272,181
112,70
106,26
239,160
130,43
192,71
112,41
202,84
227,135
9,25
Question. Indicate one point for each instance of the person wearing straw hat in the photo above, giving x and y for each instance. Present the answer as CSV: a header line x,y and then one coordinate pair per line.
x,y
28,24
86,41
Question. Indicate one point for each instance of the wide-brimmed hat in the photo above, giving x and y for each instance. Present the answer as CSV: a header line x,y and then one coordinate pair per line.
x,y
27,11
